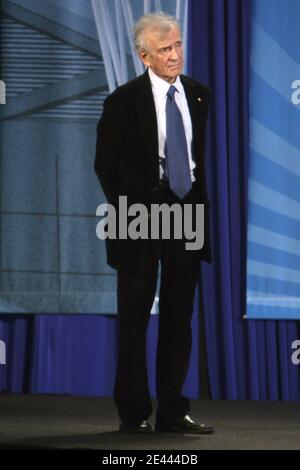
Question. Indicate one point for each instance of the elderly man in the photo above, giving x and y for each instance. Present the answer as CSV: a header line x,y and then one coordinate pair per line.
x,y
150,148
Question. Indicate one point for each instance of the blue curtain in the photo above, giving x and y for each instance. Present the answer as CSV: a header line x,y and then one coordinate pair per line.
x,y
246,359
74,354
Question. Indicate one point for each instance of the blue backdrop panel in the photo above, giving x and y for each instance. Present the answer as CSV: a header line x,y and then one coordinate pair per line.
x,y
56,81
51,260
273,264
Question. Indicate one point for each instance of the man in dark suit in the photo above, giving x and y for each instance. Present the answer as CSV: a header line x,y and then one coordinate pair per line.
x,y
150,148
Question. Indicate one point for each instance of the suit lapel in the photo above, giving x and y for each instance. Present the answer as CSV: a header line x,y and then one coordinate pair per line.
x,y
196,103
145,107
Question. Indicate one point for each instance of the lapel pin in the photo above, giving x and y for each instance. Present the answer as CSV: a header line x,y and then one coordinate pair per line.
x,y
199,99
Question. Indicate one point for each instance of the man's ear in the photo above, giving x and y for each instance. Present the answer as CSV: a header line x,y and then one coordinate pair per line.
x,y
144,58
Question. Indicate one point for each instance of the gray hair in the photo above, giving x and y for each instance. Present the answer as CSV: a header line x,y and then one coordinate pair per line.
x,y
159,22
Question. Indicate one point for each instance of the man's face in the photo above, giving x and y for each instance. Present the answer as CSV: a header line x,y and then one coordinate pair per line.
x,y
164,53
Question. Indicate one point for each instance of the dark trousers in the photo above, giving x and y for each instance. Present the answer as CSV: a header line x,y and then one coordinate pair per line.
x,y
136,293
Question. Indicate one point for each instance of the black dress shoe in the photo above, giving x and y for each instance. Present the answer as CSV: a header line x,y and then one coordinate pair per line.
x,y
183,425
144,427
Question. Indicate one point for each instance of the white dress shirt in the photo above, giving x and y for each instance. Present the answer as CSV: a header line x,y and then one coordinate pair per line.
x,y
160,88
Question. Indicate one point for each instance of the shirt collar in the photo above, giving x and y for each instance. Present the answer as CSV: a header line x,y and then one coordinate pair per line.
x,y
161,86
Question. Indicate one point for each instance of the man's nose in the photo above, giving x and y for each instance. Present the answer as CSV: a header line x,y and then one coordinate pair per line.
x,y
174,55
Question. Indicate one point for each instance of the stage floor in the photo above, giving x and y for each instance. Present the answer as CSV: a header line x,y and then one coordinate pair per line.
x,y
68,422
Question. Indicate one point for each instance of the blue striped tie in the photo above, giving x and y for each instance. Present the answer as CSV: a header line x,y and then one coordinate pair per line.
x,y
176,148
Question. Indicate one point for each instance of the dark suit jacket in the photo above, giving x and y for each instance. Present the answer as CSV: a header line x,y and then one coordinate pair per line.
x,y
127,160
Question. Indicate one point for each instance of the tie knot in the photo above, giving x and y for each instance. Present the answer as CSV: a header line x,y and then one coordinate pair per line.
x,y
171,91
